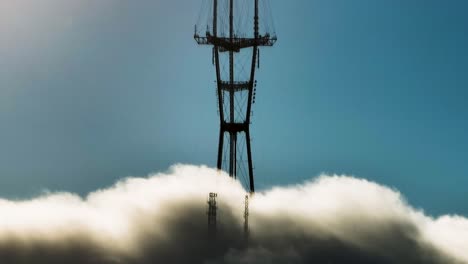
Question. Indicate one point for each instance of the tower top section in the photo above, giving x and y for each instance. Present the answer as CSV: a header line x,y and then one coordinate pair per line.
x,y
236,29
235,24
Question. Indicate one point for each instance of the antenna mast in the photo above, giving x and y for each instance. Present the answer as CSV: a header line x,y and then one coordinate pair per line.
x,y
236,88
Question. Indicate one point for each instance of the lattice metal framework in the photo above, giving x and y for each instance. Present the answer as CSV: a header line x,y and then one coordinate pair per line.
x,y
212,212
235,30
246,217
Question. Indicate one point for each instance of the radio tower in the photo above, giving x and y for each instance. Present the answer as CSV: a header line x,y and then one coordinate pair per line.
x,y
235,29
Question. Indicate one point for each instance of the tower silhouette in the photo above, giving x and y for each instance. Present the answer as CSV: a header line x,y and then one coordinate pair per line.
x,y
235,29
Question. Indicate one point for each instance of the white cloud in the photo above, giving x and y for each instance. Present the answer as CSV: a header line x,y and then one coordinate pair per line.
x,y
163,218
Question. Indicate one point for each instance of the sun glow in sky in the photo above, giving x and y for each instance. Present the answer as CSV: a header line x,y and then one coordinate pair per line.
x,y
93,91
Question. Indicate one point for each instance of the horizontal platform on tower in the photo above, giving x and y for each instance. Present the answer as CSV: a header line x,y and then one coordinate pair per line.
x,y
236,44
234,127
236,86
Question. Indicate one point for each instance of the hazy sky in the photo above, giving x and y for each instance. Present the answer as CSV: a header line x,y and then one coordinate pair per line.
x,y
93,91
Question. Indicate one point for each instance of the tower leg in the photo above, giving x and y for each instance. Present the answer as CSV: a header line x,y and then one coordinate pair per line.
x,y
235,155
231,154
220,149
249,160
246,218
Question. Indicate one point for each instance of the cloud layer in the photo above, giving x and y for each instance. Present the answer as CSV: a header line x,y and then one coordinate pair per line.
x,y
162,219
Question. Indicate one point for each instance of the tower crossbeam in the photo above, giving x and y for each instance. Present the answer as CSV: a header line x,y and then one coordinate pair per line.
x,y
237,43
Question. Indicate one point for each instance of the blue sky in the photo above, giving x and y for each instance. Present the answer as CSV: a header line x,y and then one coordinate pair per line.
x,y
93,91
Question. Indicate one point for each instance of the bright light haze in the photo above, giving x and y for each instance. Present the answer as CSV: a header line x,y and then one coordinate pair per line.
x,y
93,91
